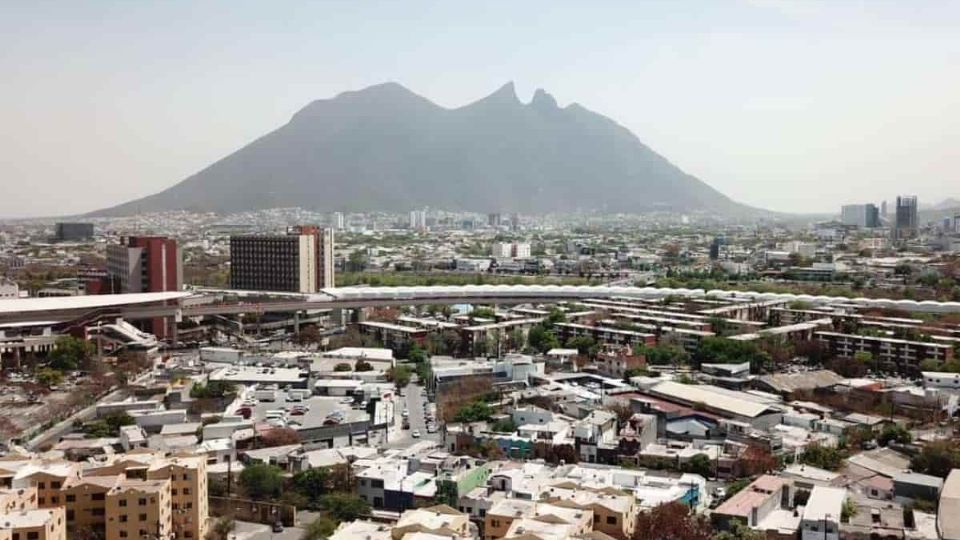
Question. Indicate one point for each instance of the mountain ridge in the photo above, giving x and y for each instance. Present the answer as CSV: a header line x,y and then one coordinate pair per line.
x,y
385,147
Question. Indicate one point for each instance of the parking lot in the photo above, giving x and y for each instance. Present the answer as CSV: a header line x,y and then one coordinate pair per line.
x,y
318,409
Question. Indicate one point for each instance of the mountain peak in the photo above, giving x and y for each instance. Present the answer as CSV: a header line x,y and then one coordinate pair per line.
x,y
543,101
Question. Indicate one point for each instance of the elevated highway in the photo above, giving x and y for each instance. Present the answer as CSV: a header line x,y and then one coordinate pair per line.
x,y
186,304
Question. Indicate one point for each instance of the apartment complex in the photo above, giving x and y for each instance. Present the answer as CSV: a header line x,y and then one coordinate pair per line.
x,y
299,261
143,495
890,354
33,524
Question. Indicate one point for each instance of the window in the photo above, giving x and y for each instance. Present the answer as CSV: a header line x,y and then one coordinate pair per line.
x,y
123,534
123,502
41,501
186,476
71,498
495,522
142,502
186,491
123,518
611,520
33,535
97,497
54,485
54,499
97,511
69,515
41,485
173,492
143,517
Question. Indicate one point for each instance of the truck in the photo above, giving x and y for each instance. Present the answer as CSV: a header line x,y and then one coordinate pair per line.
x,y
265,395
220,355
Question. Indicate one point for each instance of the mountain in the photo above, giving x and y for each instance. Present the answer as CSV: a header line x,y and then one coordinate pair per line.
x,y
386,148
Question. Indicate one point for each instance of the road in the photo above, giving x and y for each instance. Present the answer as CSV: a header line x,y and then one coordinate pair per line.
x,y
414,396
247,530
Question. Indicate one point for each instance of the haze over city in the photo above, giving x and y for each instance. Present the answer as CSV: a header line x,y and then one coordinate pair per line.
x,y
787,106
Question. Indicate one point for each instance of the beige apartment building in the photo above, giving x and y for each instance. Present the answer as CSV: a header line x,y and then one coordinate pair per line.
x,y
35,524
86,501
17,499
48,479
139,509
188,489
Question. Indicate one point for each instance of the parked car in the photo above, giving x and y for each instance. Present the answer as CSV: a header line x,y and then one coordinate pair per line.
x,y
277,527
416,434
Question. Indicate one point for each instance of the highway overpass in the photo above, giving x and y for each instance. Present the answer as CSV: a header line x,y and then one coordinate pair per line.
x,y
207,302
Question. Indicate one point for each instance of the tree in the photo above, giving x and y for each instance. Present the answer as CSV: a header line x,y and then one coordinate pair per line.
x,y
848,510
663,354
672,521
343,366
344,506
718,350
213,389
504,426
416,354
222,529
584,345
70,353
309,335
937,459
699,464
483,313
400,375
279,437
312,483
756,460
930,364
362,365
822,456
739,531
49,377
865,358
894,433
261,481
542,339
473,412
319,529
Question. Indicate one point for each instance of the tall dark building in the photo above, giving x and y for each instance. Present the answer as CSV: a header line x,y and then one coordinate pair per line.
x,y
299,261
906,223
715,248
66,232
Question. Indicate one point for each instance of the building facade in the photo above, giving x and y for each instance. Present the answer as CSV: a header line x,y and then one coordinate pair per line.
x,y
299,261
860,215
144,264
67,232
906,223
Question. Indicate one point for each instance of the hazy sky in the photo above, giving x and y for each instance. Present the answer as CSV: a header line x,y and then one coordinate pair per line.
x,y
790,106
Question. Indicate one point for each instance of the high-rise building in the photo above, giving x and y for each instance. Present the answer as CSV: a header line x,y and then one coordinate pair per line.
x,y
493,220
860,215
715,248
418,220
905,224
67,232
141,264
337,221
883,209
144,264
510,250
299,261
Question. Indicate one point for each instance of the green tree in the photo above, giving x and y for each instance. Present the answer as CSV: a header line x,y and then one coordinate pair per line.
x,y
261,481
483,313
663,354
70,353
417,354
312,483
344,506
319,529
823,457
343,366
937,459
504,426
49,377
718,350
739,531
400,375
222,529
473,412
542,339
699,464
930,364
584,345
362,365
894,433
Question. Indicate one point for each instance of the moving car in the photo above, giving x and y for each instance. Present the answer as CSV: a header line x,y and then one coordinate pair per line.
x,y
416,434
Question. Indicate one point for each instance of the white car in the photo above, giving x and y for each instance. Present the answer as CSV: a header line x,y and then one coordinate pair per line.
x,y
416,434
